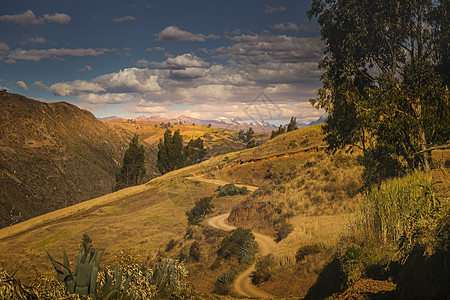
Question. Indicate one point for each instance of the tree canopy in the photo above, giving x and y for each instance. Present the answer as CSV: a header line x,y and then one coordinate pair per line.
x,y
385,85
170,152
195,151
173,155
133,167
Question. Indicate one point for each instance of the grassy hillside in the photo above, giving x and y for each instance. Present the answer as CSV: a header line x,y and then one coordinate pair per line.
x,y
146,218
54,155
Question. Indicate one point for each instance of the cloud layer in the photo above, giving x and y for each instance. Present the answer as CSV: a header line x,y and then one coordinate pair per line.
x,y
285,68
37,55
29,18
174,34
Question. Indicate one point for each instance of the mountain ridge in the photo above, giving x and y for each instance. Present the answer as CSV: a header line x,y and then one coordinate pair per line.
x,y
53,155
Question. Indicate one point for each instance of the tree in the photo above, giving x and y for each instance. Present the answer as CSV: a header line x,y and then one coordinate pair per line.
x,y
170,152
194,151
241,135
384,86
277,132
250,138
133,167
292,124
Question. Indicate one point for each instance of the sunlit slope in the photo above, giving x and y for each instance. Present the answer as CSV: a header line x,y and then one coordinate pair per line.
x,y
217,141
145,218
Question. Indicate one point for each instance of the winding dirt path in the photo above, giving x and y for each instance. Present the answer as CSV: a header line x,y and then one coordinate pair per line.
x,y
243,284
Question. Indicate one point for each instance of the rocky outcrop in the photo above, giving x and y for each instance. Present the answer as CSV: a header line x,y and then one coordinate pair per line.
x,y
252,215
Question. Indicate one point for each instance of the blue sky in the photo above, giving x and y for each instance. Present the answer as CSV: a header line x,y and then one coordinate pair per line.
x,y
204,59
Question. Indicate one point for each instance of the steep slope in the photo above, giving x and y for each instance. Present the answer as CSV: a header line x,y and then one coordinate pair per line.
x,y
53,155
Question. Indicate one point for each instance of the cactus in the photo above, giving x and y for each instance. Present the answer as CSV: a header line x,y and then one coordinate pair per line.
x,y
84,280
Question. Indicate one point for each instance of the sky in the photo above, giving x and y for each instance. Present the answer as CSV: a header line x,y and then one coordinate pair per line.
x,y
247,60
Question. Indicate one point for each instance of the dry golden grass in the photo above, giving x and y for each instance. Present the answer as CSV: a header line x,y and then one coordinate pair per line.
x,y
292,169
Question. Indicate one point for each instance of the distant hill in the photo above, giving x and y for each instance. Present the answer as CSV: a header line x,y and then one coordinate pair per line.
x,y
221,122
217,141
53,155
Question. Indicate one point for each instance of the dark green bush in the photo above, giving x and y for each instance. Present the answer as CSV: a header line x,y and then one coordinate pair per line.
x,y
231,190
235,241
200,210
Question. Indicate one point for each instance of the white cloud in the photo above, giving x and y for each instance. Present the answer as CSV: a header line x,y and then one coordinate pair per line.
x,y
270,9
126,18
156,49
174,34
4,48
183,61
22,85
36,40
87,68
291,26
265,48
37,55
29,18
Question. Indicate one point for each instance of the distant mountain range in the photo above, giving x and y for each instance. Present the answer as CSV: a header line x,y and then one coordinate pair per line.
x,y
220,122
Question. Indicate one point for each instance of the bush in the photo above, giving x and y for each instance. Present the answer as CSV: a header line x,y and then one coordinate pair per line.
x,y
306,250
170,245
231,190
264,269
194,251
238,243
200,210
222,285
283,228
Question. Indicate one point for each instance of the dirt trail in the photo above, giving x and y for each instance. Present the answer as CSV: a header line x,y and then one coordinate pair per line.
x,y
243,284
221,182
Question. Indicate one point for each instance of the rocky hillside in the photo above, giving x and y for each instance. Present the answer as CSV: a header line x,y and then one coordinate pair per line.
x,y
53,155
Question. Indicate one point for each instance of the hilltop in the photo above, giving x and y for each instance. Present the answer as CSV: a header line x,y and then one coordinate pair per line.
x,y
53,155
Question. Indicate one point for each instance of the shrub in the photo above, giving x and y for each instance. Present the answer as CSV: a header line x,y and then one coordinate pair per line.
x,y
200,210
222,285
283,228
194,251
306,250
231,190
264,269
170,245
235,241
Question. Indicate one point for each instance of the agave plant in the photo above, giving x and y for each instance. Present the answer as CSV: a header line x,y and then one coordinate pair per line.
x,y
84,280
111,288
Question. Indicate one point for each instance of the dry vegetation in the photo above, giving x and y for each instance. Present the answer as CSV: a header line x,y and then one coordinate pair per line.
x,y
315,192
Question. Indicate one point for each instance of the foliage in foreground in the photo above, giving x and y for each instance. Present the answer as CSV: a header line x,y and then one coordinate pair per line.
x,y
128,280
400,233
